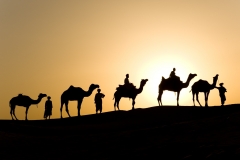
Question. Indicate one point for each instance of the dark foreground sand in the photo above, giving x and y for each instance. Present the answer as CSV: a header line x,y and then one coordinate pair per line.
x,y
153,133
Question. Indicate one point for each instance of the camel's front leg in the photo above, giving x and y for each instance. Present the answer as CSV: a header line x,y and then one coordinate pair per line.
x,y
61,109
178,93
26,113
79,106
133,103
198,99
206,98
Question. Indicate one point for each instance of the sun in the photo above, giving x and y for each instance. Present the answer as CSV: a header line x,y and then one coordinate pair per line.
x,y
154,72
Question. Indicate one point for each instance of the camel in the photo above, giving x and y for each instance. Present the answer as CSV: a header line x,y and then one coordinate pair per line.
x,y
75,94
174,85
24,101
203,86
132,93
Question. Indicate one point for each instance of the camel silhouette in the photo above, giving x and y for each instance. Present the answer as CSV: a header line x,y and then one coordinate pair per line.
x,y
174,85
131,93
203,86
24,101
75,94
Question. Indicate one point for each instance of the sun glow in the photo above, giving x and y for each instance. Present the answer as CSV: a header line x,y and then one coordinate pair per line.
x,y
154,72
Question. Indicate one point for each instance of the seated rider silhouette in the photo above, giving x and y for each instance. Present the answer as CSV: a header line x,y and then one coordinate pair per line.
x,y
127,84
173,75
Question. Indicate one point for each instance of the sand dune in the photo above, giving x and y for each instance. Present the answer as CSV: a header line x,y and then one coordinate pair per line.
x,y
160,132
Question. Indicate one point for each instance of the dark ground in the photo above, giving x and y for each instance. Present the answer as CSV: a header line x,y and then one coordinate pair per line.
x,y
153,133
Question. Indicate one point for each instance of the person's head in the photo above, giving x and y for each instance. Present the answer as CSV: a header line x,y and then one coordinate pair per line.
x,y
221,84
48,97
174,69
127,75
99,90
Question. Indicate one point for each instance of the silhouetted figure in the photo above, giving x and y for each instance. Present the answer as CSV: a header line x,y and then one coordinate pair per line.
x,y
48,108
173,75
75,94
128,94
222,91
203,86
127,85
173,85
25,101
126,80
98,101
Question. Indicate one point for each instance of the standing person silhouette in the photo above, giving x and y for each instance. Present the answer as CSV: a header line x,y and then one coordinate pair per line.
x,y
98,101
48,108
222,91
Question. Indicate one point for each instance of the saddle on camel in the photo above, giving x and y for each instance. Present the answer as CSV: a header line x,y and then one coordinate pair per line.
x,y
127,87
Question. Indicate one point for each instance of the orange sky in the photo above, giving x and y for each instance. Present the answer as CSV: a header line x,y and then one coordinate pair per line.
x,y
48,45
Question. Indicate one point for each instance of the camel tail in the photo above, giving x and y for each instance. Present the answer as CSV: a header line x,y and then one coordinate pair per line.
x,y
190,91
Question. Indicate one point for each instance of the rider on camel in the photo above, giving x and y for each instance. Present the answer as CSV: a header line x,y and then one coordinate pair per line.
x,y
173,75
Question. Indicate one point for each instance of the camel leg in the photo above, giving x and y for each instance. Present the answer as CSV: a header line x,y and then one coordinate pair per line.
x,y
79,106
26,113
66,108
193,99
160,98
178,93
198,99
206,98
12,112
133,103
116,103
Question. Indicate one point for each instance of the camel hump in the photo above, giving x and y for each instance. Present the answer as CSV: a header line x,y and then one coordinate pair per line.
x,y
72,88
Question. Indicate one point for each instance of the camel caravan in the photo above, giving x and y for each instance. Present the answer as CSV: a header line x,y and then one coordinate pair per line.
x,y
128,90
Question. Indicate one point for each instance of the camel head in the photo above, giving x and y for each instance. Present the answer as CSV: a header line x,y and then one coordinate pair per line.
x,y
214,81
143,82
93,86
41,95
191,76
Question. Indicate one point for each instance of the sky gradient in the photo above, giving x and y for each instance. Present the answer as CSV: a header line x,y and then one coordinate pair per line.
x,y
48,45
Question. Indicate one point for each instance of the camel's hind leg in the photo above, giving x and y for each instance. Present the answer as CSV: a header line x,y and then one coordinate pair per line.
x,y
193,95
79,106
206,94
66,108
198,99
116,103
159,99
12,112
61,109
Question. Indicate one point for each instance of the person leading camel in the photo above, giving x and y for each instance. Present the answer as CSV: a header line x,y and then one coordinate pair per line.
x,y
222,91
98,101
48,108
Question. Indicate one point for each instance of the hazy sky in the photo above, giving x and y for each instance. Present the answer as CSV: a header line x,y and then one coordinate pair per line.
x,y
48,45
